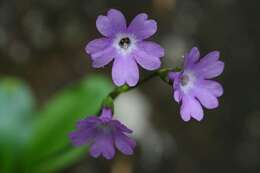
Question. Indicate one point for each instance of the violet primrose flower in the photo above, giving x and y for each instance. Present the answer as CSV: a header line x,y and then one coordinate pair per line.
x,y
126,46
103,134
192,86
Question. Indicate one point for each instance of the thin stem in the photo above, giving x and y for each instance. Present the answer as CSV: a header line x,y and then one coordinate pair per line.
x,y
125,88
162,73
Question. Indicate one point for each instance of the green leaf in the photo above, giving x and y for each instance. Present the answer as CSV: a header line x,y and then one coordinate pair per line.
x,y
59,161
58,119
16,108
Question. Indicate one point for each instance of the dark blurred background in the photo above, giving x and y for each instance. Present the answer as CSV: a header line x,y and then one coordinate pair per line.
x,y
42,42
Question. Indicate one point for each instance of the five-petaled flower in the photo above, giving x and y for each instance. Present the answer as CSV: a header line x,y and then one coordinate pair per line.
x,y
103,134
126,46
192,86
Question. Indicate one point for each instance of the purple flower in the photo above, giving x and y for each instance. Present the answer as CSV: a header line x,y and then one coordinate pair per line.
x,y
192,86
103,134
125,46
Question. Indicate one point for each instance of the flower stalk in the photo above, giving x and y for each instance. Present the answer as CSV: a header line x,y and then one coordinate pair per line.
x,y
161,73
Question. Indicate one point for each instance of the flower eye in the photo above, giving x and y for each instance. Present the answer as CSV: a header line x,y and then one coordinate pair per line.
x,y
184,80
124,43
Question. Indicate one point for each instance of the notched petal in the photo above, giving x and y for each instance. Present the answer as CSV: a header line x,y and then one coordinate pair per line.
x,y
141,27
124,144
97,45
111,24
191,108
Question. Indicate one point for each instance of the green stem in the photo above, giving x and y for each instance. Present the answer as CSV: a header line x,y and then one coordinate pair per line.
x,y
162,73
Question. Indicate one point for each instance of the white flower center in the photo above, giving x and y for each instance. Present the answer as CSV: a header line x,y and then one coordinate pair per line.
x,y
184,80
187,81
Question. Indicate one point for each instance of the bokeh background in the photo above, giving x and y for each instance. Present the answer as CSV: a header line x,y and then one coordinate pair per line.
x,y
47,84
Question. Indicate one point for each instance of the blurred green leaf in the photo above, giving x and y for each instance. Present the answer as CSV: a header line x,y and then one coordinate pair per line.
x,y
16,108
58,118
60,161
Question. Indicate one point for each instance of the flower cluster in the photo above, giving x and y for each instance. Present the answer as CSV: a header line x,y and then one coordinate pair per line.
x,y
193,86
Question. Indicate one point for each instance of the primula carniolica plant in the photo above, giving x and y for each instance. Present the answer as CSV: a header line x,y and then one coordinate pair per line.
x,y
127,47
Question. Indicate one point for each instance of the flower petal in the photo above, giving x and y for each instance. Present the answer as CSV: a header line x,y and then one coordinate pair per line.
x,y
103,145
111,24
104,57
173,75
209,58
141,27
151,48
120,126
83,136
124,143
90,121
191,57
125,70
209,66
177,95
147,61
97,45
191,108
209,70
206,98
212,86
175,78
